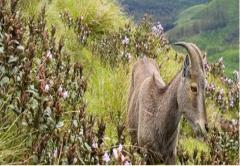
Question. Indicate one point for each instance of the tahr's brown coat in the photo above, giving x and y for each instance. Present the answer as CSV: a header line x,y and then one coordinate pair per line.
x,y
155,109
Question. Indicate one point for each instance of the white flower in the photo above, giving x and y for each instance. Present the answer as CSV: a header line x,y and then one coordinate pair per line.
x,y
75,123
221,91
231,103
106,157
125,41
24,123
220,59
47,112
20,48
235,72
60,89
145,45
128,56
206,82
229,81
65,94
55,153
237,75
115,153
46,88
60,124
49,55
75,160
51,82
120,147
234,122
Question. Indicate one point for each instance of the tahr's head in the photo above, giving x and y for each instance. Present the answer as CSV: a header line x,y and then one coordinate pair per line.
x,y
191,99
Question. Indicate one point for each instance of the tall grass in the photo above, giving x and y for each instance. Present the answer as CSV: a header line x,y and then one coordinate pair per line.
x,y
106,14
12,142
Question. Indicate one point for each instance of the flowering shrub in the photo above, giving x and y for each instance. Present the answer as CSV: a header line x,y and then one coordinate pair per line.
x,y
41,85
223,145
82,29
113,47
218,67
225,100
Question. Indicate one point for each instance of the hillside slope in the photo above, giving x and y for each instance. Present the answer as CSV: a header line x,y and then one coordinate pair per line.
x,y
64,87
214,27
162,10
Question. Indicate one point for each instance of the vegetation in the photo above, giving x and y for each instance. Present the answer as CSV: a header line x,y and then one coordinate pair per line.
x,y
64,86
213,25
164,11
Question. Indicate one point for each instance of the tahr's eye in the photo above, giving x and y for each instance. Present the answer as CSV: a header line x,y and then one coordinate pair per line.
x,y
194,88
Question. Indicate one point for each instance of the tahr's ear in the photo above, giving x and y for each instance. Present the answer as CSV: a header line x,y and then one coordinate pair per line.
x,y
186,67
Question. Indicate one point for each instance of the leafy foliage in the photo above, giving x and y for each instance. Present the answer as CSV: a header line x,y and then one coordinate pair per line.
x,y
214,27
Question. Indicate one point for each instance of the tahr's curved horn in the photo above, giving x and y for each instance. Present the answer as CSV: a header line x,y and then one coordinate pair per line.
x,y
192,53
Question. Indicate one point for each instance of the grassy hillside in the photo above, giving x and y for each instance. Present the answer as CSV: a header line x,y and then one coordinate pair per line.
x,y
65,102
214,27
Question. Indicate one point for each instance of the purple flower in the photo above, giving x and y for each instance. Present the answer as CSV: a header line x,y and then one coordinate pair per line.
x,y
154,29
94,145
159,26
127,163
106,157
231,104
157,29
206,67
120,147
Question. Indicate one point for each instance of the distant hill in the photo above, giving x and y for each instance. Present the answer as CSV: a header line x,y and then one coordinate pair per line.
x,y
212,24
214,27
161,10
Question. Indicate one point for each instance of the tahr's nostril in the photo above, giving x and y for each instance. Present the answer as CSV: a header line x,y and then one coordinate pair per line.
x,y
206,127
